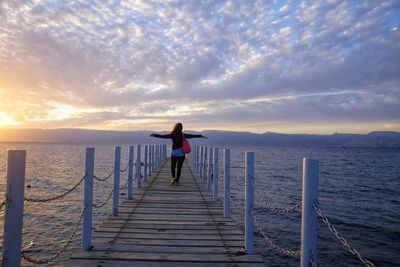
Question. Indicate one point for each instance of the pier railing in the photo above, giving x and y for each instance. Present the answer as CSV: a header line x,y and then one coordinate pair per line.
x,y
146,163
205,163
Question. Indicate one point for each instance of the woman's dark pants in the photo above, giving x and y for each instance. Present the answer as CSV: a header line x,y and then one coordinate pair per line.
x,y
177,161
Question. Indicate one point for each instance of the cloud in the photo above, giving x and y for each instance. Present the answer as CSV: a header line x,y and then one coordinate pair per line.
x,y
164,57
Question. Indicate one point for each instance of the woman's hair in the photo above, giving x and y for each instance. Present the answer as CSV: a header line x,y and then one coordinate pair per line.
x,y
177,131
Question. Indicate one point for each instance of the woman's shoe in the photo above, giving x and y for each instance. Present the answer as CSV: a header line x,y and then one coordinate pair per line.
x,y
173,181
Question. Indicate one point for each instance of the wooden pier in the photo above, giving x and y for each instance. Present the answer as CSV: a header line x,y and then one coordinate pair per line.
x,y
167,226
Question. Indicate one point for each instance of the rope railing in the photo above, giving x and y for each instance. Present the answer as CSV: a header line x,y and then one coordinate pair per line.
x,y
125,185
124,169
97,206
104,178
263,233
235,207
58,254
277,210
111,173
239,181
3,203
341,239
292,253
237,167
44,200
237,212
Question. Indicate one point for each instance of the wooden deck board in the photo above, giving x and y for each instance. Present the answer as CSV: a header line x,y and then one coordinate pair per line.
x,y
119,263
176,242
166,249
158,230
168,257
168,226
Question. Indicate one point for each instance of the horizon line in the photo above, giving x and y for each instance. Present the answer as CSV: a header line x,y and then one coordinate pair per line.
x,y
211,130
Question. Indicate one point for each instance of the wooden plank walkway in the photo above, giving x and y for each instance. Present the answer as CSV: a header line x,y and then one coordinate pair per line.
x,y
167,226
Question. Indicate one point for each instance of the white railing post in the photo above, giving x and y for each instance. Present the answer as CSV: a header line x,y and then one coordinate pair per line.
x,y
227,183
210,169
160,155
249,219
139,167
146,151
153,167
153,158
157,157
201,162
215,177
117,166
130,171
192,158
88,200
197,159
309,219
204,176
14,208
149,161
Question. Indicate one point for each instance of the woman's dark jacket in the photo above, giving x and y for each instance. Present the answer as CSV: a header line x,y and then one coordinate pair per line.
x,y
177,139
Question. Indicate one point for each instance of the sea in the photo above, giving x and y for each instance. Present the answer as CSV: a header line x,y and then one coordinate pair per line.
x,y
359,192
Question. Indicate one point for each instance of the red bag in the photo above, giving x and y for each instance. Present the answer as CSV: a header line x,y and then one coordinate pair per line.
x,y
185,145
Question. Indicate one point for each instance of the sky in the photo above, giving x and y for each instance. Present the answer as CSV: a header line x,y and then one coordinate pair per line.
x,y
261,66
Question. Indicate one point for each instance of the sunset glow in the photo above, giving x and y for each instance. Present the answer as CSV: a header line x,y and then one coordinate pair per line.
x,y
7,120
319,67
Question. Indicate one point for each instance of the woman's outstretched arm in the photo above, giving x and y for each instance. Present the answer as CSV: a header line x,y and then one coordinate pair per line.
x,y
194,136
164,136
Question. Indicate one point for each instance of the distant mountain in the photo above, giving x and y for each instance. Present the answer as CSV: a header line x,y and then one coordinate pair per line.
x,y
81,136
376,139
373,139
74,136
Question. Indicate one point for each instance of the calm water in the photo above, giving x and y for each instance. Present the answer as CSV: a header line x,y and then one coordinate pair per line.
x,y
359,191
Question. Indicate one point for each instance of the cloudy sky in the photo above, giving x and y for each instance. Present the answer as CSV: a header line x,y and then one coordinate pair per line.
x,y
283,66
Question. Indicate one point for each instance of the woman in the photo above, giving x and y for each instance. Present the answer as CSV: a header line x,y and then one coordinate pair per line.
x,y
177,155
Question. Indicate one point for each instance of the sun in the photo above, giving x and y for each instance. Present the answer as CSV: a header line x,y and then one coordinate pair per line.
x,y
7,120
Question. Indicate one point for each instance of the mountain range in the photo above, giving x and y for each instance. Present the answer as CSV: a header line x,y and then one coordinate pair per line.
x,y
215,137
